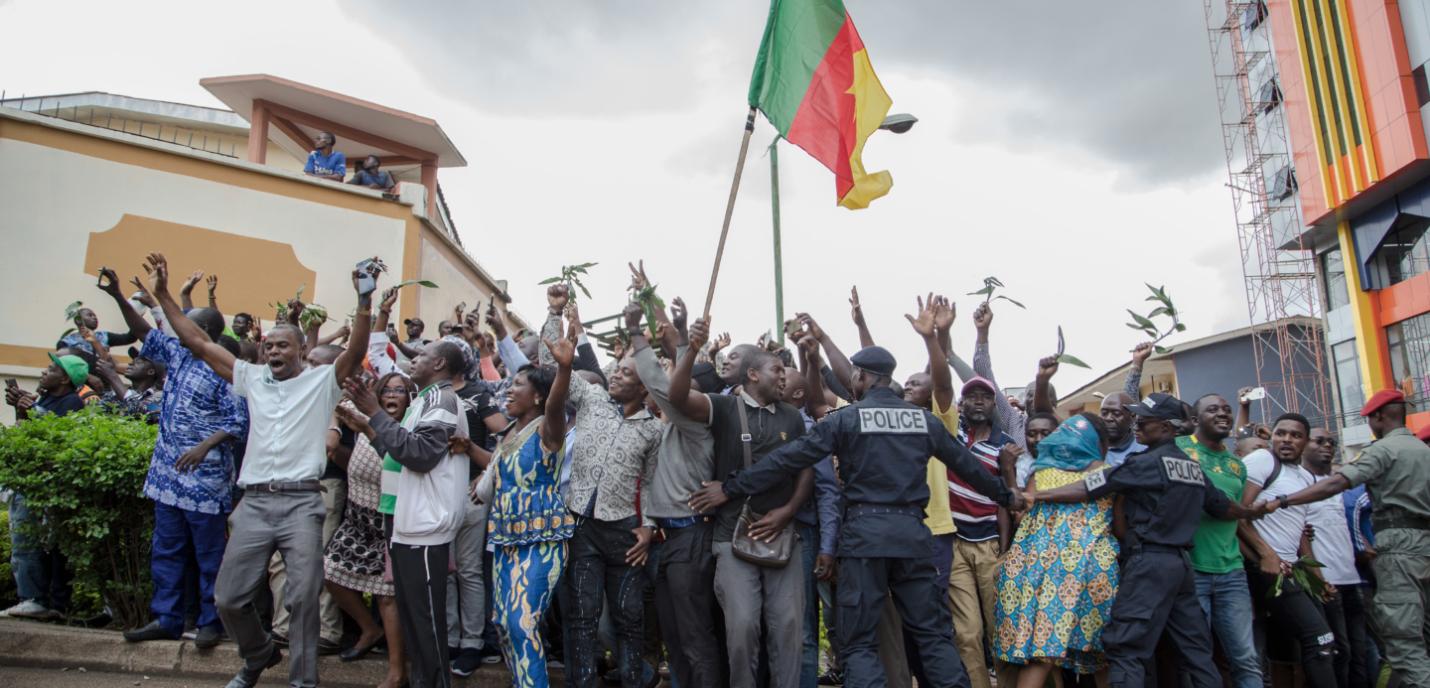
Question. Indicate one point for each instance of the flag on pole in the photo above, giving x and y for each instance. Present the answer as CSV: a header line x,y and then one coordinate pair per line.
x,y
814,83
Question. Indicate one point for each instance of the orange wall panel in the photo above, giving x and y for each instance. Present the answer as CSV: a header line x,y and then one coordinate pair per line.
x,y
1403,300
1392,111
1415,421
1300,122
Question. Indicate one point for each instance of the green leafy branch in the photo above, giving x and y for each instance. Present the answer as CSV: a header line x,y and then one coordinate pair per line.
x,y
72,310
651,304
1065,357
1303,575
1146,323
571,277
991,284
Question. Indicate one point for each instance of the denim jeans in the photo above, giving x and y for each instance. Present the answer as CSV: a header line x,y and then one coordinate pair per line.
x,y
809,658
597,574
1226,600
41,575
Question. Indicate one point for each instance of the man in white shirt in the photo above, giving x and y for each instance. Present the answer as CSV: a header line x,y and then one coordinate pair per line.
x,y
1331,544
290,405
1273,476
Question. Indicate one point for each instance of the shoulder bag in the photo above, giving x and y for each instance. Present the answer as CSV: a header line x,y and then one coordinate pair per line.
x,y
774,554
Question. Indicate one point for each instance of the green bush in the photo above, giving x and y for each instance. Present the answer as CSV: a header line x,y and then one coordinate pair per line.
x,y
83,474
7,575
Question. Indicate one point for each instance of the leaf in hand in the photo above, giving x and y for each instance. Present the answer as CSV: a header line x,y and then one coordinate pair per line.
x,y
72,310
1072,360
1015,303
421,283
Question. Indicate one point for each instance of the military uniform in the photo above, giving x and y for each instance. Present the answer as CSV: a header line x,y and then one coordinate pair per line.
x,y
1396,473
1163,493
883,444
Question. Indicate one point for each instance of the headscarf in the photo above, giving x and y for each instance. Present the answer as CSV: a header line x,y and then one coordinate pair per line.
x,y
1072,447
471,370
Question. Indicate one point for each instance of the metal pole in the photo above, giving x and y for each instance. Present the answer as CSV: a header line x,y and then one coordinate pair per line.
x,y
779,262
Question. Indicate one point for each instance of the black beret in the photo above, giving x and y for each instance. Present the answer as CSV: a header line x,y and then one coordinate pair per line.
x,y
875,359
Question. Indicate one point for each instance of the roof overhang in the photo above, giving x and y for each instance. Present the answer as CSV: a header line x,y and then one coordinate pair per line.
x,y
403,134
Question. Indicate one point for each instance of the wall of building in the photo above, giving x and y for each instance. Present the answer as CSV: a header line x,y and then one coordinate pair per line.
x,y
1225,367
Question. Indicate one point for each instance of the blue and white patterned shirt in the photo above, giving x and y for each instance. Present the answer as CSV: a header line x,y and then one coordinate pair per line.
x,y
197,403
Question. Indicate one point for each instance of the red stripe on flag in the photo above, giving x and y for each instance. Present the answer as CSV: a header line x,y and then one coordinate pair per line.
x,y
824,125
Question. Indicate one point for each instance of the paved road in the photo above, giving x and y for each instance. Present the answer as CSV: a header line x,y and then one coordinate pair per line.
x,y
55,678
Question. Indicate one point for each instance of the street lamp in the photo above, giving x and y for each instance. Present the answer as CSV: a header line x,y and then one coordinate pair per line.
x,y
897,123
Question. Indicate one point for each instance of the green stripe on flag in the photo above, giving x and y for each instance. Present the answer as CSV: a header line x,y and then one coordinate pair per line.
x,y
797,36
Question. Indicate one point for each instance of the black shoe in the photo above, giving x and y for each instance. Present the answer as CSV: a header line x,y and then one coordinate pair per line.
x,y
208,637
467,662
248,678
279,640
328,647
152,631
833,677
355,653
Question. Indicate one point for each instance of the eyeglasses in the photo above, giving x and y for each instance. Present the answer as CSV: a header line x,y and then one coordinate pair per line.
x,y
393,392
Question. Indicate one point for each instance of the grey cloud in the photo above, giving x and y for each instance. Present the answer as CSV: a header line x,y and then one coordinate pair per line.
x,y
1125,81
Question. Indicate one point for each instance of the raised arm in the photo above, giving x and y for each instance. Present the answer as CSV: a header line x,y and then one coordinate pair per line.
x,y
351,357
553,422
692,404
1042,391
856,313
212,283
818,401
1010,420
556,298
927,326
1133,384
838,362
186,291
190,335
109,284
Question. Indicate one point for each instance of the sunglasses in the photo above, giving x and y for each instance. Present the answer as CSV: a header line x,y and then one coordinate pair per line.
x,y
1325,440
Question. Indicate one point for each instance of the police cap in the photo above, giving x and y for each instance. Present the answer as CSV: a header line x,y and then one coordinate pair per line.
x,y
874,359
1159,406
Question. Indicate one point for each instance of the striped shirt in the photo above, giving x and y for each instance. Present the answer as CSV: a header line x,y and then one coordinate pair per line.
x,y
976,516
435,408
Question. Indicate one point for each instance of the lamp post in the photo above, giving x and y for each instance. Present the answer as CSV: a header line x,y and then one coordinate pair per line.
x,y
897,124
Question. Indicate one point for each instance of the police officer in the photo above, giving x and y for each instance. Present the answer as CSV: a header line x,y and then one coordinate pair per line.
x,y
1396,473
1163,492
883,444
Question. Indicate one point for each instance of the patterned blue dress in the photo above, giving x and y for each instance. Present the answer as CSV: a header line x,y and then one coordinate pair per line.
x,y
529,525
1058,580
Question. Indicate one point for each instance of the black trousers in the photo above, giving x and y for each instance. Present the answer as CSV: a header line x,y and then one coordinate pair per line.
x,y
596,572
864,584
419,574
685,604
1295,614
1157,593
1345,614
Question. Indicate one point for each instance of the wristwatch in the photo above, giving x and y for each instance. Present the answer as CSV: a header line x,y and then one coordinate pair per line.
x,y
1284,500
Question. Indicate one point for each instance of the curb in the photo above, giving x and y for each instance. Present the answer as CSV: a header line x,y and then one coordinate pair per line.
x,y
36,644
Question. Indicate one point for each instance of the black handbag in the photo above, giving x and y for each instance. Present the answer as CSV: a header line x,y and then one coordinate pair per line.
x,y
771,555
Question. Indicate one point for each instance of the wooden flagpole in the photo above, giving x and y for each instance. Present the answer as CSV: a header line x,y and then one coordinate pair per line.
x,y
730,208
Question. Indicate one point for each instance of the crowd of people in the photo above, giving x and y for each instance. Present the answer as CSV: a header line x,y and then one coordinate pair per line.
x,y
697,510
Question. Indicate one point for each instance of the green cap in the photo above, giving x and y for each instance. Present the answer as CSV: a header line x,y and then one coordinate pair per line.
x,y
74,366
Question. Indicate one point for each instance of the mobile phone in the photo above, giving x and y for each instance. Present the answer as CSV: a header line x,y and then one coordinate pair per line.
x,y
1256,394
367,276
12,383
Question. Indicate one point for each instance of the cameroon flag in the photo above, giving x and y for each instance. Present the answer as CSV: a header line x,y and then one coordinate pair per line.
x,y
814,83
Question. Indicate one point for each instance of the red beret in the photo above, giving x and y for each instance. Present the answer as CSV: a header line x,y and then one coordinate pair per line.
x,y
1381,398
1424,433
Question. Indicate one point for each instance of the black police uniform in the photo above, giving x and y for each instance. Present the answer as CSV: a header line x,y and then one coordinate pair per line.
x,y
1164,492
883,444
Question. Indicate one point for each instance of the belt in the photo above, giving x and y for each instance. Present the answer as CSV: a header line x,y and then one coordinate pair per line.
x,y
1154,547
678,523
900,509
1387,518
279,486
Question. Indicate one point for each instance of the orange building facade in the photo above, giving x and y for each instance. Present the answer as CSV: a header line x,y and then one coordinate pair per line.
x,y
1354,87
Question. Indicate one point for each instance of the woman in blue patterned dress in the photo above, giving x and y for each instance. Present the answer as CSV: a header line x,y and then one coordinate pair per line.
x,y
1057,582
528,522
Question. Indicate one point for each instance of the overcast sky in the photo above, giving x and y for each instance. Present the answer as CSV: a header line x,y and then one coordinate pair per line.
x,y
1070,149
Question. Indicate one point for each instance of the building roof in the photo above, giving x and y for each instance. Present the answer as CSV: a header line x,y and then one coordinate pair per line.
x,y
415,131
90,104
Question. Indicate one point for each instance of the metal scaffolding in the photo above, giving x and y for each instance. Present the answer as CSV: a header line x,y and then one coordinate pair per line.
x,y
1279,271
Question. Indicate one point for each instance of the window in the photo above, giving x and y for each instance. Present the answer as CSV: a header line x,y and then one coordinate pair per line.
x,y
1284,183
1253,15
1409,344
1405,250
1268,96
1333,272
1348,381
1422,89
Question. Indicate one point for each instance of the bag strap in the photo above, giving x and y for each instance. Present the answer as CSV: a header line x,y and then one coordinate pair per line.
x,y
1275,473
745,437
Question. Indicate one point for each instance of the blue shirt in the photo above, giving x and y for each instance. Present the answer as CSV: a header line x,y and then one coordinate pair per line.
x,y
827,507
1358,510
324,165
197,403
382,179
108,339
1117,455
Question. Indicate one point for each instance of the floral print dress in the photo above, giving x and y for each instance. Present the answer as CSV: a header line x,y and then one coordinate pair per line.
x,y
1058,580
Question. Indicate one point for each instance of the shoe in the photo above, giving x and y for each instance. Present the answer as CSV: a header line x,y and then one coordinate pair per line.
x,y
279,640
355,653
328,647
492,655
151,631
248,678
30,609
833,677
208,637
467,662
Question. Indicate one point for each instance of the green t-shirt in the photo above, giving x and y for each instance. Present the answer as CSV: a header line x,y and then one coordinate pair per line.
x,y
1214,546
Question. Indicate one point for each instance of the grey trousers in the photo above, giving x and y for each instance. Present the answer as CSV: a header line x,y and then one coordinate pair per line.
x,y
335,500
466,590
290,523
749,593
